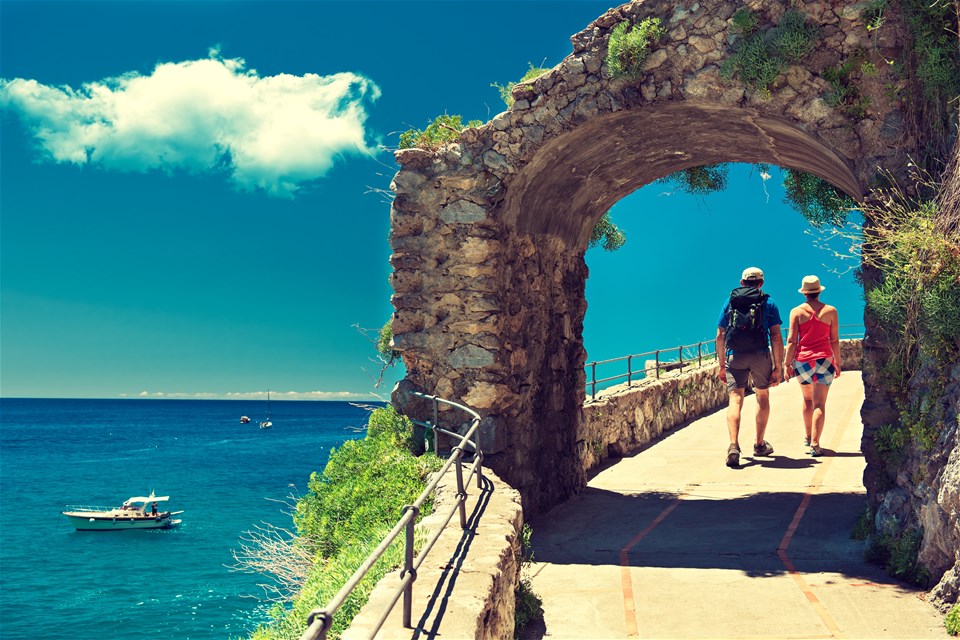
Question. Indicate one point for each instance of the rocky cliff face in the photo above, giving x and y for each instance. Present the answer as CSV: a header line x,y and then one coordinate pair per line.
x,y
918,487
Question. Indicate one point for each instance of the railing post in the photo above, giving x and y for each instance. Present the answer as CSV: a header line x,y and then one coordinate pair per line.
x,y
699,354
593,380
461,491
629,371
680,357
408,568
656,356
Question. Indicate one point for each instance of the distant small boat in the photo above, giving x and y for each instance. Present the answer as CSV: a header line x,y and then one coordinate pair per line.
x,y
244,419
266,424
132,514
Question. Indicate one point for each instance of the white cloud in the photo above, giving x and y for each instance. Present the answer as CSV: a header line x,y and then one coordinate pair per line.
x,y
273,133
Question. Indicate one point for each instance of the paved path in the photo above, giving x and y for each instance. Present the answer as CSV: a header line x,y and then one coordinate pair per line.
x,y
670,543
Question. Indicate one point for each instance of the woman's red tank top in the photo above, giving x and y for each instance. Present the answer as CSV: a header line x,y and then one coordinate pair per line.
x,y
814,340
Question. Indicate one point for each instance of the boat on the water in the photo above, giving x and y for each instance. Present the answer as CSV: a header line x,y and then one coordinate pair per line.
x,y
138,512
244,419
266,424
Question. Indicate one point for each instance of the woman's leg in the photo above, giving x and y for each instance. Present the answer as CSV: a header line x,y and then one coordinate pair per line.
x,y
807,391
819,393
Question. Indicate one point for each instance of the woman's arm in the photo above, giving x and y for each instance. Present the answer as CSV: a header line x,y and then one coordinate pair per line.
x,y
835,337
792,335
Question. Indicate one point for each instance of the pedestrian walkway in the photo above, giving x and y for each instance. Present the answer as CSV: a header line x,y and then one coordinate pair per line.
x,y
671,543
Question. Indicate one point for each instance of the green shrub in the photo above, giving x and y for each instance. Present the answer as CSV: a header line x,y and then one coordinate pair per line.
x,y
933,27
898,555
606,234
629,46
506,91
442,130
763,56
952,621
700,181
863,527
845,93
816,199
890,441
529,607
873,14
350,507
744,21
353,497
793,38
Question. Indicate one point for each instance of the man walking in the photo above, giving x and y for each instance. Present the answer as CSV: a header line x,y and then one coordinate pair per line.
x,y
749,325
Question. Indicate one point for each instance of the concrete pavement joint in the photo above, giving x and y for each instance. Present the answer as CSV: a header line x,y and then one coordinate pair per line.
x,y
813,488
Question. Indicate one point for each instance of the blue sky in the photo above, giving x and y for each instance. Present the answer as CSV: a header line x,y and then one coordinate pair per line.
x,y
193,194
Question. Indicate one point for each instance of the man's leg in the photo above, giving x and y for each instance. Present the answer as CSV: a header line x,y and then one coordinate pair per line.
x,y
734,408
763,413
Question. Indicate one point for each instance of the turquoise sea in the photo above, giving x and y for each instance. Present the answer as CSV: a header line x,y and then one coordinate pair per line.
x,y
226,477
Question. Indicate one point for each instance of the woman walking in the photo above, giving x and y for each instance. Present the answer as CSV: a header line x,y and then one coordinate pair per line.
x,y
813,356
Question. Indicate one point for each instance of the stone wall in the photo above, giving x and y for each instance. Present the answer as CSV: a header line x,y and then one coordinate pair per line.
x,y
489,232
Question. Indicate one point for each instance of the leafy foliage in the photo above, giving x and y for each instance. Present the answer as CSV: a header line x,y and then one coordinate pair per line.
x,y
763,56
350,507
898,555
629,46
744,21
529,605
952,621
844,91
873,14
699,181
444,128
506,91
607,234
933,27
863,527
384,338
816,199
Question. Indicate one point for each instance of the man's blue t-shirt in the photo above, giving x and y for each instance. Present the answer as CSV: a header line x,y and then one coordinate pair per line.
x,y
771,318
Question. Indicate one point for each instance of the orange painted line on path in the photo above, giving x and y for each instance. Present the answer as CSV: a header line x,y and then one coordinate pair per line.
x,y
629,606
814,487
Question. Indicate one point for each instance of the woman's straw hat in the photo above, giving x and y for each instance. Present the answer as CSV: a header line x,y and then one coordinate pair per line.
x,y
811,284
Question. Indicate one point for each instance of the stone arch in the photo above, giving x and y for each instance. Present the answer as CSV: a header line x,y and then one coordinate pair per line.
x,y
489,232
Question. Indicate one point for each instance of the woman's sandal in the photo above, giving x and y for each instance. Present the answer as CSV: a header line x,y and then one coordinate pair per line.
x,y
806,441
816,451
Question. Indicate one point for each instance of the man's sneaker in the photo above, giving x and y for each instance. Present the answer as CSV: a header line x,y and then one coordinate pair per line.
x,y
733,456
762,449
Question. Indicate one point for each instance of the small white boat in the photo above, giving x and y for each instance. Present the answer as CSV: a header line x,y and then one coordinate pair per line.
x,y
266,424
138,512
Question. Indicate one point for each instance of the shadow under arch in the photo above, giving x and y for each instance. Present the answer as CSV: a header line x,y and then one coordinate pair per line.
x,y
575,178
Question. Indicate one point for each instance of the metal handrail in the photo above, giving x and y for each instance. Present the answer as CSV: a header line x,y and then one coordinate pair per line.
x,y
320,620
705,349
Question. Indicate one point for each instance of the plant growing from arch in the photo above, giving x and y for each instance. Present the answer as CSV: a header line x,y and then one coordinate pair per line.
x,y
444,128
762,56
629,46
506,91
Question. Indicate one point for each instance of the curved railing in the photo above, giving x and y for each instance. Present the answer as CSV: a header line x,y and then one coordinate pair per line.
x,y
319,620
686,355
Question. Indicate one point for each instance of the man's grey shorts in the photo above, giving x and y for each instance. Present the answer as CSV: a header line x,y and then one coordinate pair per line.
x,y
755,364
